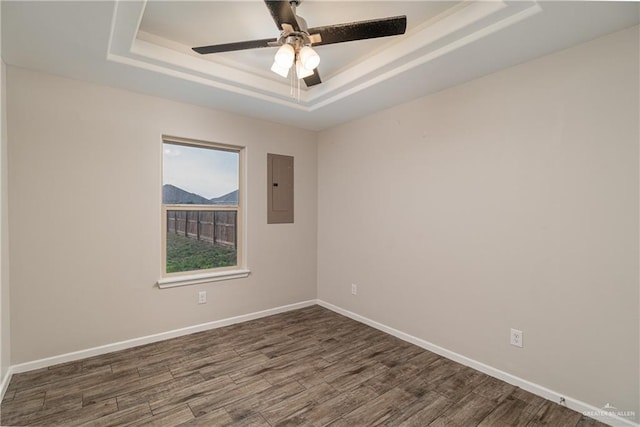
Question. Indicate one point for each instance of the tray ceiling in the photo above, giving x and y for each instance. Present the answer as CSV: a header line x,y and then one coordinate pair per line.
x,y
146,46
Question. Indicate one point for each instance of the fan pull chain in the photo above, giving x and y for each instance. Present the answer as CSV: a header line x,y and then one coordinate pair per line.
x,y
294,82
292,77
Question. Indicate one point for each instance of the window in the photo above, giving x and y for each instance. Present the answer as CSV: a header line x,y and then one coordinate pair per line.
x,y
201,212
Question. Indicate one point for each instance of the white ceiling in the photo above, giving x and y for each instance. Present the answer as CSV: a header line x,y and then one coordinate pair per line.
x,y
145,47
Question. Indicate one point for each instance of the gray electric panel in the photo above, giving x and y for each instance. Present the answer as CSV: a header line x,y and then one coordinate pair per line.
x,y
279,189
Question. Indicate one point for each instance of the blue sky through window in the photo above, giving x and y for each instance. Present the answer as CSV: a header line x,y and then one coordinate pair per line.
x,y
207,172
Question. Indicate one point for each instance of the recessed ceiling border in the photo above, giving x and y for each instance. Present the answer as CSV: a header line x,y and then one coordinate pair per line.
x,y
460,25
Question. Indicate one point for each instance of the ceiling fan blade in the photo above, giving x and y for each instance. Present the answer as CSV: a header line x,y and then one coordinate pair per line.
x,y
313,79
282,13
228,47
360,30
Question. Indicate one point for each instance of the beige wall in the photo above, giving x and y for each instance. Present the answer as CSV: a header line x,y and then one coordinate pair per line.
x,y
507,202
84,202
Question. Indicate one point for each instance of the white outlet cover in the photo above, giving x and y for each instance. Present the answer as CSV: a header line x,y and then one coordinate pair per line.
x,y
516,337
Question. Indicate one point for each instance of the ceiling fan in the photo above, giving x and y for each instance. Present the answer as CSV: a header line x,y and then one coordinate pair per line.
x,y
296,39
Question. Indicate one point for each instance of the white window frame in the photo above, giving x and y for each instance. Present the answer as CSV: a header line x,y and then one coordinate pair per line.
x,y
169,280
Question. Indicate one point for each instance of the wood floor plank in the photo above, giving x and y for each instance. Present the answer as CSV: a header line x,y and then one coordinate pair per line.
x,y
87,378
8,395
172,358
589,422
264,399
461,383
237,363
175,416
534,403
336,352
382,409
340,422
511,412
116,356
403,371
342,404
282,369
80,416
357,376
375,348
322,392
470,410
71,401
123,417
308,367
391,378
121,386
265,343
47,375
494,389
196,364
219,417
333,372
146,360
291,411
431,377
164,390
421,360
226,395
423,411
18,409
307,345
404,352
552,414
168,397
288,408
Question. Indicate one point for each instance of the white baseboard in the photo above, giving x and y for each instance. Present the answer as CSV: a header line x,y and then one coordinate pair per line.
x,y
571,403
121,345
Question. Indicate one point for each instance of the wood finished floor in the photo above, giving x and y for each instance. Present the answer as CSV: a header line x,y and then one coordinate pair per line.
x,y
305,367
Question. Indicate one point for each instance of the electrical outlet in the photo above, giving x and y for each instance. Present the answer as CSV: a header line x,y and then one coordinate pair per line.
x,y
516,337
354,289
202,297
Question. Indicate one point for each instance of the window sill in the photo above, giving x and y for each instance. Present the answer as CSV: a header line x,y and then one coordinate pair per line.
x,y
194,279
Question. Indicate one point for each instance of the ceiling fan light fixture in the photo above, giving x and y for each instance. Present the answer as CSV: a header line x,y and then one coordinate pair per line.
x,y
285,56
283,71
301,71
309,58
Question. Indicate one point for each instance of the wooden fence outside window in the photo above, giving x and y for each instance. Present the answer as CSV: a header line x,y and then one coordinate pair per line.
x,y
216,227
